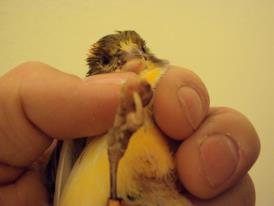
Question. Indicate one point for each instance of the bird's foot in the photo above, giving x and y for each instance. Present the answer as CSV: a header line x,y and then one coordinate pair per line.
x,y
135,94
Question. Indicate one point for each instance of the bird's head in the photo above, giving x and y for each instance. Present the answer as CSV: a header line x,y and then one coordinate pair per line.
x,y
113,51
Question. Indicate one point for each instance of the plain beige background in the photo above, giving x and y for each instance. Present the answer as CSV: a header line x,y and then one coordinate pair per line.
x,y
229,44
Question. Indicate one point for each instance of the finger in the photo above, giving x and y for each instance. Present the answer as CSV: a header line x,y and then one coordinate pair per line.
x,y
242,194
28,190
38,102
218,154
180,102
72,106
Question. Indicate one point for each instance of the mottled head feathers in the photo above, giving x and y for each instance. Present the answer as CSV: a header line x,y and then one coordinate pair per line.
x,y
114,50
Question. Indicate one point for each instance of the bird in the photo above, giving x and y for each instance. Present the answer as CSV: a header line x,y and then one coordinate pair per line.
x,y
112,51
133,163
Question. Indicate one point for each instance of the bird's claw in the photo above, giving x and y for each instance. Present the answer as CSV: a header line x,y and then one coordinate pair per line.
x,y
135,95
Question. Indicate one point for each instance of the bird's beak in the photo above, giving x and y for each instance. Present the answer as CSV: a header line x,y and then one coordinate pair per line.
x,y
135,65
135,61
136,53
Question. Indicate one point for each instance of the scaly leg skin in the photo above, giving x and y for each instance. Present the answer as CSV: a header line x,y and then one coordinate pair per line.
x,y
135,94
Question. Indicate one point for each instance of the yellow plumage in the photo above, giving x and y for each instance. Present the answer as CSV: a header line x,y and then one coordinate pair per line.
x,y
147,157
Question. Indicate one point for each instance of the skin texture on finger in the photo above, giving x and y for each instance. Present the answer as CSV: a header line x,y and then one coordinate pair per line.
x,y
20,141
218,154
72,107
242,194
9,174
181,102
38,102
27,191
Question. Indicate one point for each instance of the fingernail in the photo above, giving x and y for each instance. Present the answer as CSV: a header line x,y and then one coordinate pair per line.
x,y
219,156
192,105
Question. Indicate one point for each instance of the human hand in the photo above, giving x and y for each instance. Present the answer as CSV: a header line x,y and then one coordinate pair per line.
x,y
220,144
38,102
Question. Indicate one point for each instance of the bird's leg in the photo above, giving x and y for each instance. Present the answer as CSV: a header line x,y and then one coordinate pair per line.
x,y
135,95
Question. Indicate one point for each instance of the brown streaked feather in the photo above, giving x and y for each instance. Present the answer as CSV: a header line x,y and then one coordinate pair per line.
x,y
106,55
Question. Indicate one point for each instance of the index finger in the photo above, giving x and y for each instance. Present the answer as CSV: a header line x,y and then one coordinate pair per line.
x,y
38,102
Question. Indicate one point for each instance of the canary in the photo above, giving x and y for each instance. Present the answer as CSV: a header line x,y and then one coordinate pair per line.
x,y
134,161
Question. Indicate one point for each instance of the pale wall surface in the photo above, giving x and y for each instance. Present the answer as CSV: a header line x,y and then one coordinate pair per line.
x,y
229,44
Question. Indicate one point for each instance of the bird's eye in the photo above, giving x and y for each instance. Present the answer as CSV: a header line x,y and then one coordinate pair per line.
x,y
105,60
144,49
